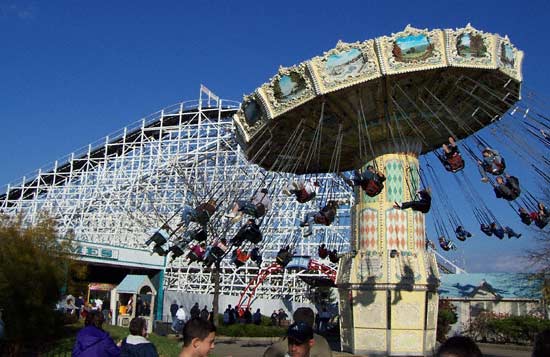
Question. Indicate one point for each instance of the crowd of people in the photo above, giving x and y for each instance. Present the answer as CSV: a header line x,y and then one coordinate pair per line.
x,y
198,340
199,334
180,316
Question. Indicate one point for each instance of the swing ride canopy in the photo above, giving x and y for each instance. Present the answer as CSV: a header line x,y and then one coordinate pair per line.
x,y
359,96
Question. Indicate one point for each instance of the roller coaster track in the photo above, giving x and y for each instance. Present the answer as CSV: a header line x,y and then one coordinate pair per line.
x,y
247,295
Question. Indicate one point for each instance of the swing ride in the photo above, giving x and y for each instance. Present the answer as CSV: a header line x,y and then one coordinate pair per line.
x,y
357,143
377,106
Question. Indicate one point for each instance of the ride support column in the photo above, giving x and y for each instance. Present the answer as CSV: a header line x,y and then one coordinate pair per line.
x,y
388,287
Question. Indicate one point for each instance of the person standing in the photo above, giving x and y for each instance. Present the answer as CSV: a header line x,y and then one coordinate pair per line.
x,y
247,316
173,309
204,313
299,342
136,344
274,318
232,315
92,340
178,323
281,316
195,311
324,318
320,348
257,317
79,303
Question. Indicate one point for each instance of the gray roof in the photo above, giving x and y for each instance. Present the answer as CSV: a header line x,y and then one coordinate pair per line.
x,y
132,284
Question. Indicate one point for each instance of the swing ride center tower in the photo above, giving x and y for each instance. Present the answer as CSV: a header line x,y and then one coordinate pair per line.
x,y
382,102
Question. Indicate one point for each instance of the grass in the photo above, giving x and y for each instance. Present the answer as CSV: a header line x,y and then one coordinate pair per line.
x,y
166,346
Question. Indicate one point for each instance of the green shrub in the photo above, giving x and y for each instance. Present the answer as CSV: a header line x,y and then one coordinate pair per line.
x,y
504,328
33,267
445,318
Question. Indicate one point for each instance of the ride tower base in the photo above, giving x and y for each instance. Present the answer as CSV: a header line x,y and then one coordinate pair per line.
x,y
388,297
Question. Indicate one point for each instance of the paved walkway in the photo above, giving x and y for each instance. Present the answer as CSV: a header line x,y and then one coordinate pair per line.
x,y
256,348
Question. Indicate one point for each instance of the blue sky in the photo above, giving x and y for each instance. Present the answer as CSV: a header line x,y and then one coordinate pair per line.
x,y
74,71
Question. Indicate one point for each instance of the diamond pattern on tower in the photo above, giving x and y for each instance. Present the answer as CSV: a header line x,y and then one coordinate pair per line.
x,y
419,230
394,181
368,226
396,229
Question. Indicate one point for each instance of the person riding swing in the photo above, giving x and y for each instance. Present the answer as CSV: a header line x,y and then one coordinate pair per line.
x,y
200,214
178,249
371,181
322,251
451,158
542,216
508,189
333,256
304,191
240,256
256,207
422,204
197,253
446,244
249,231
215,253
284,256
256,256
462,234
325,216
524,216
159,236
492,163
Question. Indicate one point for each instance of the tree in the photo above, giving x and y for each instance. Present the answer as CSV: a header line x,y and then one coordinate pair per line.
x,y
33,267
539,258
446,316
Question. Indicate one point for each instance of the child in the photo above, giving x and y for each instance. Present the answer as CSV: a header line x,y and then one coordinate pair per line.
x,y
198,338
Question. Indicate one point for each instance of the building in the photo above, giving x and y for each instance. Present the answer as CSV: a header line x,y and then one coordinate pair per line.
x,y
513,294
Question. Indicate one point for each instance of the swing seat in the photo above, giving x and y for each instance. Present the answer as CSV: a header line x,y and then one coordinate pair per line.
x,y
283,258
252,235
199,235
320,219
255,256
216,253
323,219
238,263
445,247
372,187
255,237
303,196
202,218
323,253
158,238
176,251
542,222
454,163
256,211
497,169
158,249
193,257
461,238
333,258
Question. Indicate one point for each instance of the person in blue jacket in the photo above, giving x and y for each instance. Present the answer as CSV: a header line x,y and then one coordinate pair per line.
x,y
92,340
137,344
